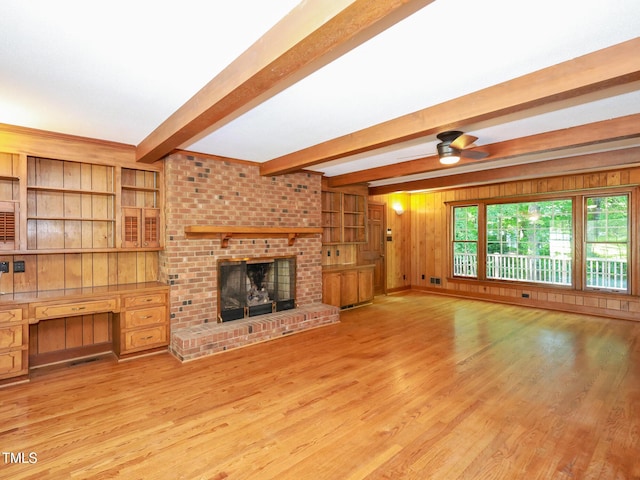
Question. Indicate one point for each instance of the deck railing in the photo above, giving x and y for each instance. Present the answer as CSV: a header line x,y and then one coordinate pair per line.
x,y
601,273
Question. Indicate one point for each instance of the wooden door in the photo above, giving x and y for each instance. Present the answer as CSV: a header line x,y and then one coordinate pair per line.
x,y
373,251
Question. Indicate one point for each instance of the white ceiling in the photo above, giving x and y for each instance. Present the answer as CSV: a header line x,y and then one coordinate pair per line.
x,y
116,70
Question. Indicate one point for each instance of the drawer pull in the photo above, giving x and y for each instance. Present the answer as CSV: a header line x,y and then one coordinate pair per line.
x,y
147,316
148,338
149,300
75,309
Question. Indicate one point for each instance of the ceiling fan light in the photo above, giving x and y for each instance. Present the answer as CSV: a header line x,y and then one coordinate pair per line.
x,y
447,154
449,158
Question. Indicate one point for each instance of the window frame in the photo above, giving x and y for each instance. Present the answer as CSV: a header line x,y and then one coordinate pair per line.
x,y
628,243
578,237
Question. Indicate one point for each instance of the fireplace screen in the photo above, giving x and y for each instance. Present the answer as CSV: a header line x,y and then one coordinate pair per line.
x,y
255,287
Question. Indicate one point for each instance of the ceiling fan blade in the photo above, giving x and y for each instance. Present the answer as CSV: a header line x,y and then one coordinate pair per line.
x,y
463,141
474,154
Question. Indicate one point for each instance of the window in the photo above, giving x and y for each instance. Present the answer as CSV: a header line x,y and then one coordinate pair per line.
x,y
534,241
607,242
465,243
530,241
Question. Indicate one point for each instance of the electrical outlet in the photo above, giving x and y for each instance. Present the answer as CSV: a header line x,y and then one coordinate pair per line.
x,y
423,276
18,266
4,267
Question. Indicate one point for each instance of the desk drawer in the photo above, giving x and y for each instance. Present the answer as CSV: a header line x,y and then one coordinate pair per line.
x,y
145,316
13,315
146,338
11,336
144,300
10,362
70,309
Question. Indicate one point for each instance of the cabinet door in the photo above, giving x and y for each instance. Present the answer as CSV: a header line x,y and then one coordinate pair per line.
x,y
331,289
349,287
131,227
140,227
11,337
9,226
10,363
151,227
365,284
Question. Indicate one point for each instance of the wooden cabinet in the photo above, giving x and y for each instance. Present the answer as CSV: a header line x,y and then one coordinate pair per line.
x,y
9,201
140,209
140,227
347,286
343,218
14,343
62,206
143,323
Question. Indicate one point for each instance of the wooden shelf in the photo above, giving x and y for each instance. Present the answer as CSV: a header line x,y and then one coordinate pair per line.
x,y
80,191
226,233
72,219
141,189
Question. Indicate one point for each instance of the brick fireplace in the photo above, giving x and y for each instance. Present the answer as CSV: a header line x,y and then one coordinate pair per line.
x,y
212,191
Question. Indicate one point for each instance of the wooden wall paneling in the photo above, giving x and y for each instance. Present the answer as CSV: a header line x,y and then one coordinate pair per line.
x,y
27,281
141,267
74,332
51,335
430,238
50,272
127,267
440,242
87,269
102,327
418,234
151,267
6,280
73,235
73,270
87,329
72,175
99,264
112,269
7,164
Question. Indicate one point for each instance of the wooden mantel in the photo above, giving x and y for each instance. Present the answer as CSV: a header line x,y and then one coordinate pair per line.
x,y
227,232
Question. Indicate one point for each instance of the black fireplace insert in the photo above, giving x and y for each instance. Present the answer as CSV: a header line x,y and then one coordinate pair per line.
x,y
250,287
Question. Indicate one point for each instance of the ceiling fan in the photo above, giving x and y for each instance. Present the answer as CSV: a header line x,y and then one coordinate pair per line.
x,y
454,144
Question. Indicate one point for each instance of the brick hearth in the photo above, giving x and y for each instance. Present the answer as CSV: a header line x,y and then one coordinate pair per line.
x,y
209,338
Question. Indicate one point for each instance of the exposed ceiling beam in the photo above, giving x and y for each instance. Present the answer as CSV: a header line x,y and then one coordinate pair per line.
x,y
309,37
591,134
562,166
616,65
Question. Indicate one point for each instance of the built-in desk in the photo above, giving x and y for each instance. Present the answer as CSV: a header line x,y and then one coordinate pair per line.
x,y
139,320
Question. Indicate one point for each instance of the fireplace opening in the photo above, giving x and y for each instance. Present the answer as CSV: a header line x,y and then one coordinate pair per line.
x,y
251,287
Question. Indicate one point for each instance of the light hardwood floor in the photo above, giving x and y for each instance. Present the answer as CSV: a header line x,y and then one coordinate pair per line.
x,y
416,386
